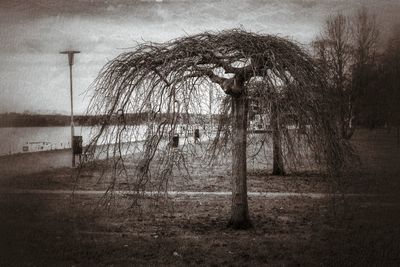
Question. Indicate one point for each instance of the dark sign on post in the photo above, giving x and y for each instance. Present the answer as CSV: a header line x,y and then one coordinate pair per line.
x,y
196,133
175,140
196,136
77,145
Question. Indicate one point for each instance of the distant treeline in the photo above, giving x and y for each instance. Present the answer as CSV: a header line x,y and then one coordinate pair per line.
x,y
36,120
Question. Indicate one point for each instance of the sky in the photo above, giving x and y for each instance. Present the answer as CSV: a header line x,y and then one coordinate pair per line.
x,y
34,77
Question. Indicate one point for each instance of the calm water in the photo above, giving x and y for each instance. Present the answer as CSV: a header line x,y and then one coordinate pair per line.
x,y
13,140
35,139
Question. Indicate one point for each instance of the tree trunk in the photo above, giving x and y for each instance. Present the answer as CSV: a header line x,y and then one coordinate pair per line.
x,y
240,211
277,165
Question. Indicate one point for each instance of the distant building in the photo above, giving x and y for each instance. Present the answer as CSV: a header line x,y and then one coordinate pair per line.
x,y
37,146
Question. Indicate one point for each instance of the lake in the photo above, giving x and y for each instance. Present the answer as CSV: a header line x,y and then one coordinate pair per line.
x,y
35,139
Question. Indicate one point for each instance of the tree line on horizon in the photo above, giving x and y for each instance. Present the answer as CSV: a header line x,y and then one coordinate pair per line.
x,y
13,119
362,71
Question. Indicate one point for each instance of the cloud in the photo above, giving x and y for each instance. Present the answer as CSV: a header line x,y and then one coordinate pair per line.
x,y
33,32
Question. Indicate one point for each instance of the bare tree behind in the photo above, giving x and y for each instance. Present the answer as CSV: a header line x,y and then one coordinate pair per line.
x,y
366,93
334,52
390,81
366,35
171,81
347,52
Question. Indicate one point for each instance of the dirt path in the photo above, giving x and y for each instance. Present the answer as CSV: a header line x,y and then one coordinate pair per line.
x,y
180,193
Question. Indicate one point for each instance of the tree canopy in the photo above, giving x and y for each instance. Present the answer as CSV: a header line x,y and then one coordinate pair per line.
x,y
175,77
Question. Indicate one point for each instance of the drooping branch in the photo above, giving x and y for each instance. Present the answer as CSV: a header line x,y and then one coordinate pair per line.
x,y
166,86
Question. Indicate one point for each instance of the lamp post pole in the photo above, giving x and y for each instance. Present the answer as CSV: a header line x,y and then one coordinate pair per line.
x,y
71,54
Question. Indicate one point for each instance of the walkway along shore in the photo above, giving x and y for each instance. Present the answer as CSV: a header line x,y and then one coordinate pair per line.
x,y
181,193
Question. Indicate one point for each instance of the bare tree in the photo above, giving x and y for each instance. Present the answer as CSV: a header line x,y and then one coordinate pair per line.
x,y
365,74
334,51
174,78
366,36
390,81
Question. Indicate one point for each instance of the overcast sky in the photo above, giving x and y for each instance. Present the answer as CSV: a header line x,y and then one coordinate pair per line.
x,y
33,76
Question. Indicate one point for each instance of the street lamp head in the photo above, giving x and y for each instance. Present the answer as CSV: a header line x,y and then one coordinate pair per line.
x,y
70,54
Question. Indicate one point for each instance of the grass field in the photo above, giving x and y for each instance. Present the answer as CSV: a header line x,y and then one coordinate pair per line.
x,y
336,230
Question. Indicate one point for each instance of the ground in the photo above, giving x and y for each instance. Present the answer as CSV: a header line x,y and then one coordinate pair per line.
x,y
356,228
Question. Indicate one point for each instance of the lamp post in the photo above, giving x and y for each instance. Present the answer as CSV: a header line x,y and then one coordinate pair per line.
x,y
71,54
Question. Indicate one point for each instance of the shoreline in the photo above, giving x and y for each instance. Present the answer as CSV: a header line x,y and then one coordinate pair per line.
x,y
21,154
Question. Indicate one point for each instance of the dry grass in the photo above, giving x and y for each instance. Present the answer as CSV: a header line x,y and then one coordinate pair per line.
x,y
54,230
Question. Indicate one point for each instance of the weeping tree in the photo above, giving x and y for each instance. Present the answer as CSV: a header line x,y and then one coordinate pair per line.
x,y
168,83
